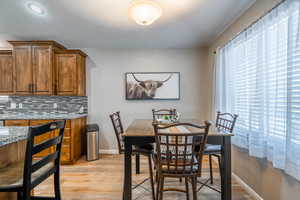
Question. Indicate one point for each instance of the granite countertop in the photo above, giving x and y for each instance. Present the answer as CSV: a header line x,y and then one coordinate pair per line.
x,y
36,116
12,134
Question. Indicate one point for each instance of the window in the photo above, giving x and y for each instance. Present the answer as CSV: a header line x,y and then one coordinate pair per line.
x,y
258,78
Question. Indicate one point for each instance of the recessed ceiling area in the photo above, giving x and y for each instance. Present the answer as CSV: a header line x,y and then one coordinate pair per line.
x,y
107,24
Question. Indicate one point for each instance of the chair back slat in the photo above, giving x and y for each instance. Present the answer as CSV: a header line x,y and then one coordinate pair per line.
x,y
175,150
46,144
33,164
159,114
44,161
118,128
226,121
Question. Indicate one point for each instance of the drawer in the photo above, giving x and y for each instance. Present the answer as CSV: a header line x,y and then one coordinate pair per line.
x,y
68,123
67,132
65,153
67,141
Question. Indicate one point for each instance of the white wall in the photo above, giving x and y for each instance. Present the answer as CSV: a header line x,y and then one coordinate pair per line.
x,y
106,84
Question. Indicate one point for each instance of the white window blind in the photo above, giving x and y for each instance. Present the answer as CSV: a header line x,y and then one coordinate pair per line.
x,y
258,78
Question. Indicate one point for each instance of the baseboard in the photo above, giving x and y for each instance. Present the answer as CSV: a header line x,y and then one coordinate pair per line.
x,y
246,187
109,151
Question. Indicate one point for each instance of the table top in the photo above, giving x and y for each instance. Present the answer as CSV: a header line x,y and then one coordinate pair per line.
x,y
144,128
11,134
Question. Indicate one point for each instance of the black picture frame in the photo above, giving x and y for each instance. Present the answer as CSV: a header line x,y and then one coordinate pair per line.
x,y
143,99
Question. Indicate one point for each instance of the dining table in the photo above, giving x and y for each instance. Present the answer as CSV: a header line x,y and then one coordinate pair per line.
x,y
141,132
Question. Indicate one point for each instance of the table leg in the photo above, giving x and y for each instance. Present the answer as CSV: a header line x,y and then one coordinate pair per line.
x,y
127,171
137,163
226,169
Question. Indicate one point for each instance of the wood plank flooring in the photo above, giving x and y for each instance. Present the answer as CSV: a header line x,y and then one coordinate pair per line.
x,y
103,180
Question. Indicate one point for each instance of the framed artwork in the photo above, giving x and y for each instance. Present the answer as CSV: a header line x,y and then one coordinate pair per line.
x,y
152,85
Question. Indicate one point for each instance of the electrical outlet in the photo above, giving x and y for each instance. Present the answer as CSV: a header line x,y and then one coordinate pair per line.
x,y
13,105
20,105
55,105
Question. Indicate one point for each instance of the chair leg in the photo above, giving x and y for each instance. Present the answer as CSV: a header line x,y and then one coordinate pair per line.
x,y
137,163
161,189
19,196
187,188
151,177
220,166
180,179
194,186
211,169
57,185
157,187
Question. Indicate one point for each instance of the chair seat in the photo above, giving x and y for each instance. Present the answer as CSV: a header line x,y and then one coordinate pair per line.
x,y
210,148
11,177
182,167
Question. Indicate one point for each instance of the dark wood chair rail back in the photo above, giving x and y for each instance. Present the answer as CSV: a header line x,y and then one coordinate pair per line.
x,y
175,150
226,121
176,157
156,114
38,170
32,165
118,128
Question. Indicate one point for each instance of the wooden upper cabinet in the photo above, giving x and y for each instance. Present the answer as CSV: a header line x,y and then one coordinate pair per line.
x,y
42,70
66,74
6,73
23,69
70,72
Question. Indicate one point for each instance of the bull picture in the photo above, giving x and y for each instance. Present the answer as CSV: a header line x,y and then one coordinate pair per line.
x,y
147,86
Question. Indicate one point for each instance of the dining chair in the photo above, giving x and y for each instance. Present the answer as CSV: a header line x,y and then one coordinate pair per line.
x,y
224,122
158,114
26,175
146,150
176,157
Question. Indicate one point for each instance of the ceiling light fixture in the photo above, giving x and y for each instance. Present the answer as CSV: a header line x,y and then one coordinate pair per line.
x,y
145,12
36,8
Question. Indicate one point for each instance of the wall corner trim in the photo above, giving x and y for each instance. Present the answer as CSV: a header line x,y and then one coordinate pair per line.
x,y
246,187
109,151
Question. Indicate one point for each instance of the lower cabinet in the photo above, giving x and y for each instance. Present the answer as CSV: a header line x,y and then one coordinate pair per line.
x,y
74,143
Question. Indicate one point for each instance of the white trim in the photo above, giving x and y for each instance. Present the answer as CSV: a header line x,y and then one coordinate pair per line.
x,y
109,151
246,187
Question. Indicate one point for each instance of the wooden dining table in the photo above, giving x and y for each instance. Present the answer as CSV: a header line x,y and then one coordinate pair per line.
x,y
141,131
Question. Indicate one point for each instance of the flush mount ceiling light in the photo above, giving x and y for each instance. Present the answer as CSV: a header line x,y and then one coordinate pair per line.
x,y
145,12
36,8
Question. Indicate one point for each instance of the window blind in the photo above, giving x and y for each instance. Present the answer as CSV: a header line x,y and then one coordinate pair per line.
x,y
258,78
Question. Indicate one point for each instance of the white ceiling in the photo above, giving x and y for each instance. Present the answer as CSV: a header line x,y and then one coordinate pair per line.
x,y
105,23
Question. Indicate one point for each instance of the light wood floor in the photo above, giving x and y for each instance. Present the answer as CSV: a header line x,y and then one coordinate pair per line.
x,y
103,180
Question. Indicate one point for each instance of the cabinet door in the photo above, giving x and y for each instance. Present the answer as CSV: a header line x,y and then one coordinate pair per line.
x,y
43,137
66,69
6,74
23,69
42,70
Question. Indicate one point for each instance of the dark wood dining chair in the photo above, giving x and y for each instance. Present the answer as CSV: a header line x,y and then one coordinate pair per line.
x,y
25,176
158,114
146,150
176,157
224,122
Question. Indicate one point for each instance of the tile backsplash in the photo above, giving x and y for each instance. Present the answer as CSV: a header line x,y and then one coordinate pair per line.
x,y
43,104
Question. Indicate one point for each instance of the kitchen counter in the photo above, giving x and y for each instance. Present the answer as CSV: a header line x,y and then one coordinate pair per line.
x,y
41,116
12,134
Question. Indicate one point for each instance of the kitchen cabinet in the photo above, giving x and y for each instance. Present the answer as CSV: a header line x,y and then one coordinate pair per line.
x,y
6,73
74,137
34,67
46,68
70,72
